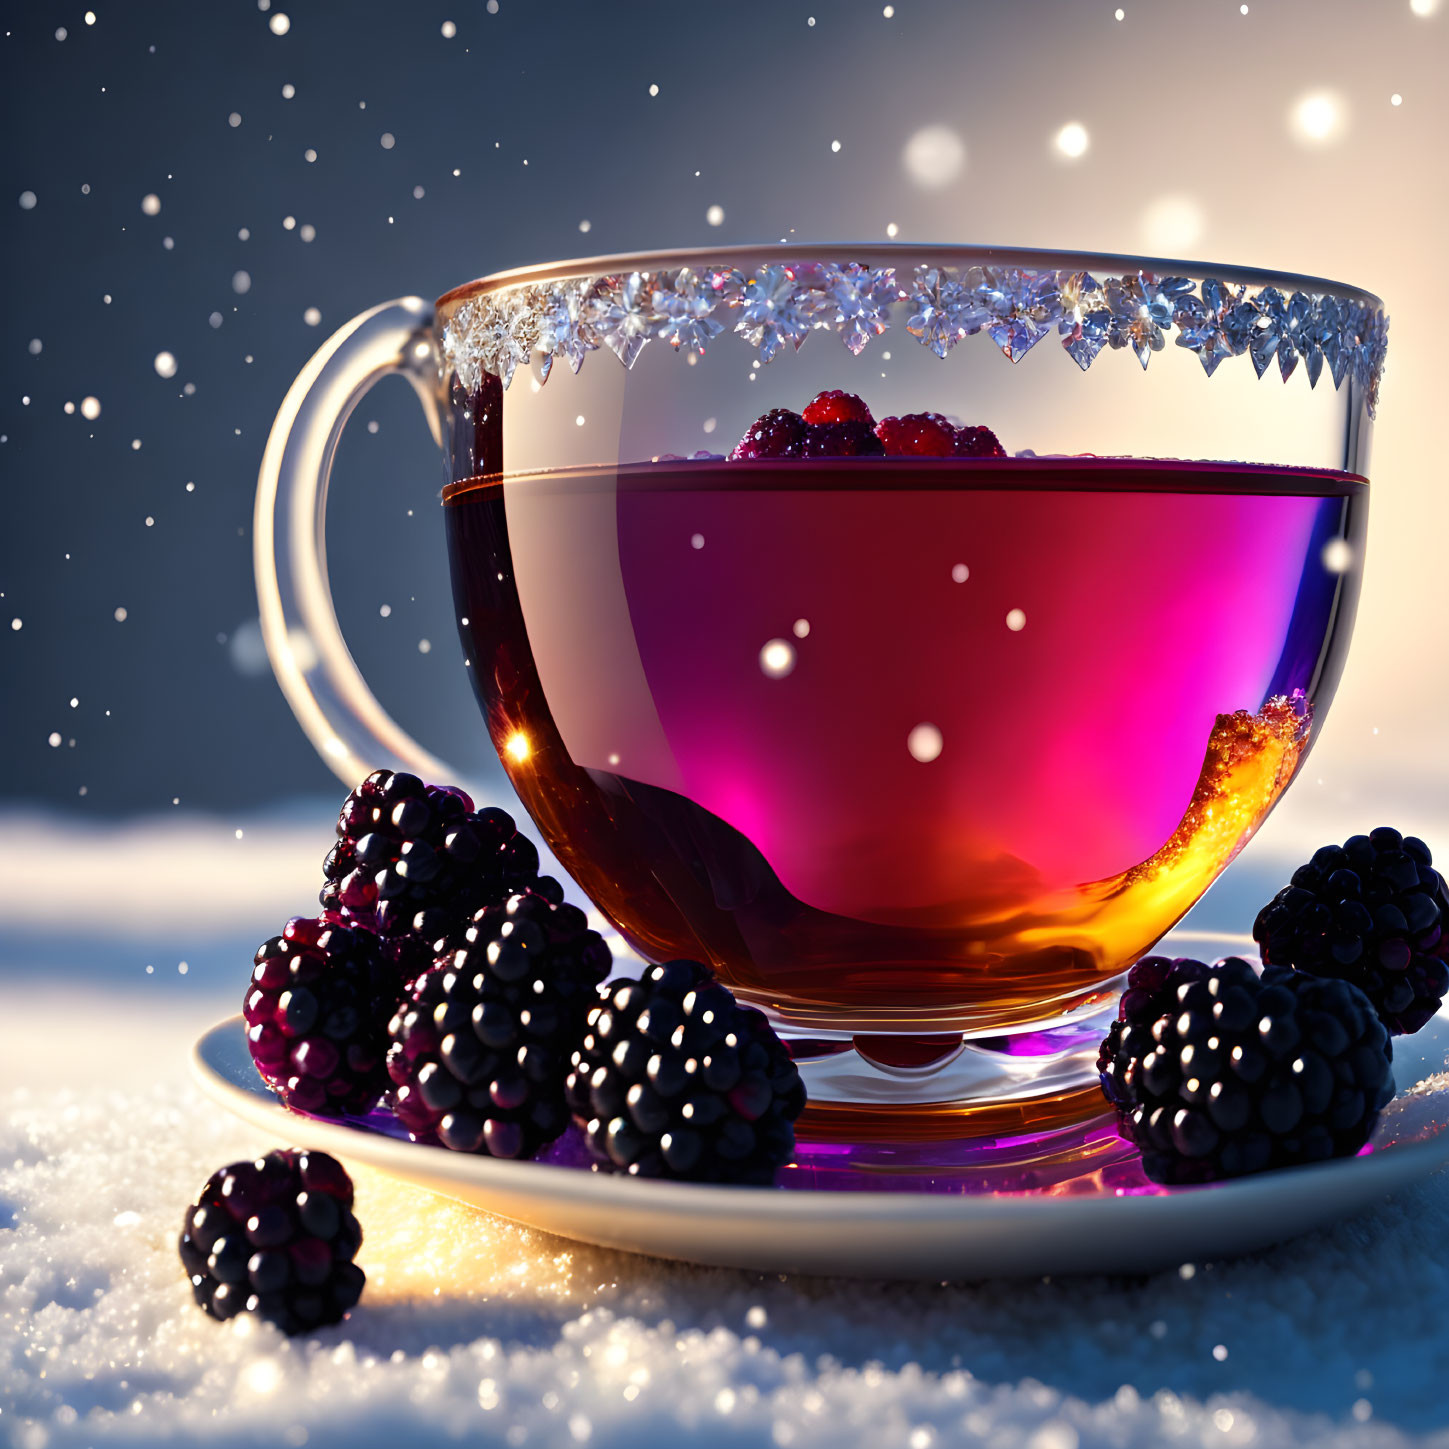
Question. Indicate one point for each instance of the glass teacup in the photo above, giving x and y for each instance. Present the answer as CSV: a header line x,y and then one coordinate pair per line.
x,y
918,710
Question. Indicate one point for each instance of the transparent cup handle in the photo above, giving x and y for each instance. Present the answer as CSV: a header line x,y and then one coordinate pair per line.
x,y
350,729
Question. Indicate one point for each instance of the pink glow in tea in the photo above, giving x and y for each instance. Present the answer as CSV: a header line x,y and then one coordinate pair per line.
x,y
899,740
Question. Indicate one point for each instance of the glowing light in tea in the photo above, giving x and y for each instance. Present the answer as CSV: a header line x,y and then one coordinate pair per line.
x,y
518,747
925,743
777,658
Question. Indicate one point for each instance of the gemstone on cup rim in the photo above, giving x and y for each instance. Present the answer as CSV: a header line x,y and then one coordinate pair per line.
x,y
497,325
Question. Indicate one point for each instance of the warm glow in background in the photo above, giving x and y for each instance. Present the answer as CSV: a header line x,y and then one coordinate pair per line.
x,y
1308,137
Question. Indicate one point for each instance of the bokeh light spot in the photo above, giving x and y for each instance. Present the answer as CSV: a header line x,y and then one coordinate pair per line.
x,y
1318,118
934,156
1172,223
1072,140
925,743
777,658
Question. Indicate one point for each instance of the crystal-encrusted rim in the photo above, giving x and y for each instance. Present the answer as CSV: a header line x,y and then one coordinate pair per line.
x,y
784,300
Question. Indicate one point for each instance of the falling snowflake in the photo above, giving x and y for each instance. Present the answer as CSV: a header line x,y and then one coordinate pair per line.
x,y
683,303
945,311
1022,306
622,314
856,302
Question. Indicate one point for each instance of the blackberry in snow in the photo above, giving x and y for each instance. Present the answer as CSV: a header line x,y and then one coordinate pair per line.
x,y
275,1237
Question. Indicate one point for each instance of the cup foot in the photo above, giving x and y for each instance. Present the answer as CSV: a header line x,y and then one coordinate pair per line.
x,y
945,1088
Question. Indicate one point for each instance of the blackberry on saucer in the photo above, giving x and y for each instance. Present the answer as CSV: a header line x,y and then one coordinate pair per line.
x,y
1372,911
316,1010
480,1043
404,848
1216,1072
676,1079
275,1237
1151,992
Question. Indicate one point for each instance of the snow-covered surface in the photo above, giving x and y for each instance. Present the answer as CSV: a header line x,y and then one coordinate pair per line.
x,y
471,1330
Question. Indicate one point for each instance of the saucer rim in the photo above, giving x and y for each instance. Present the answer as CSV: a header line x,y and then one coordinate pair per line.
x,y
847,1232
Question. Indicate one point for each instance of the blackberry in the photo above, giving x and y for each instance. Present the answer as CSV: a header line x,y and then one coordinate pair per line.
x,y
275,1237
837,407
779,433
1216,1072
676,1079
407,850
840,440
1371,911
978,442
481,1041
917,435
316,1011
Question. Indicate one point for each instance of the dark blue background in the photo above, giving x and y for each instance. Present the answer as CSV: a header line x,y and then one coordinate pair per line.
x,y
543,108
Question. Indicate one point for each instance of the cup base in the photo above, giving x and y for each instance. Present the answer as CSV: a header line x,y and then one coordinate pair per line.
x,y
950,1089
